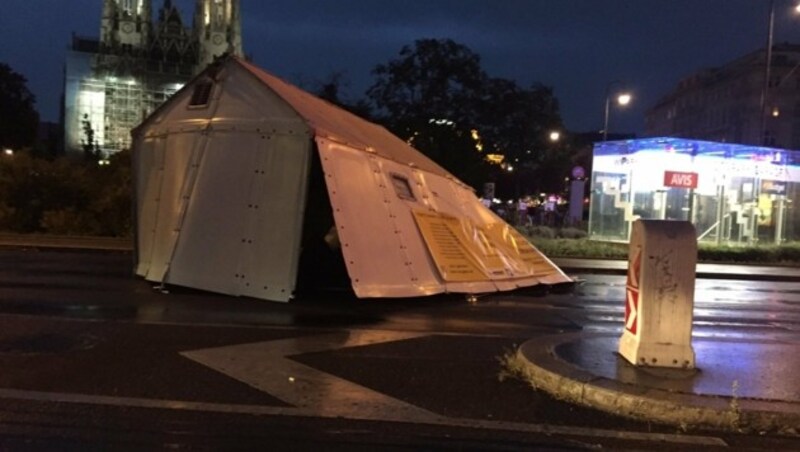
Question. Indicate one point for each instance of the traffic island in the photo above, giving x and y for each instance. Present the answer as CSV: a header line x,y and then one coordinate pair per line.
x,y
740,387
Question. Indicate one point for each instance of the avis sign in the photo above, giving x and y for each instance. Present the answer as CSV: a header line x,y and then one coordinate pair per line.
x,y
679,179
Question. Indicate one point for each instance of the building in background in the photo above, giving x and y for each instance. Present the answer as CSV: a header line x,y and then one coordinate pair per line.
x,y
114,82
724,104
733,194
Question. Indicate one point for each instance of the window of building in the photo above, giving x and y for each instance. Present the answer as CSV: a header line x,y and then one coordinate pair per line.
x,y
128,7
402,187
201,94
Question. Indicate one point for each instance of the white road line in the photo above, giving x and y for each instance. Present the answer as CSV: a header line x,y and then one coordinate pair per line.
x,y
266,367
178,405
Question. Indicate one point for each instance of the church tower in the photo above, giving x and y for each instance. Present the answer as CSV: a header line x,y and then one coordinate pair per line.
x,y
218,29
125,24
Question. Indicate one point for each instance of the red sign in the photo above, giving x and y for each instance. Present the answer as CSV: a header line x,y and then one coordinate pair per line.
x,y
632,294
680,180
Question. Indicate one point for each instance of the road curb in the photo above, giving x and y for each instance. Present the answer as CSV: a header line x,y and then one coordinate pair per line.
x,y
71,243
705,270
537,363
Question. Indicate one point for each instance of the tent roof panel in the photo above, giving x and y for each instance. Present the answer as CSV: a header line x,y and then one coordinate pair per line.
x,y
337,124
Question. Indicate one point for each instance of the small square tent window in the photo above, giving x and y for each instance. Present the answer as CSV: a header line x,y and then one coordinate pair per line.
x,y
402,187
201,94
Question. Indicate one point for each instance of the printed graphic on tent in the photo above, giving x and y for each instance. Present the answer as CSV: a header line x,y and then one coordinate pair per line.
x,y
632,294
465,252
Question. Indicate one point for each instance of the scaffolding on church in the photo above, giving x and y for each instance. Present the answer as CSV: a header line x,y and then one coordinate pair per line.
x,y
113,83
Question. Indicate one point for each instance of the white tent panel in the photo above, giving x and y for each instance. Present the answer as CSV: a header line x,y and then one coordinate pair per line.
x,y
448,197
239,235
207,253
273,232
373,246
245,101
178,153
149,164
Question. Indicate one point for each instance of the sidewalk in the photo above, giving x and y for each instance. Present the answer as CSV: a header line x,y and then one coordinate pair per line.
x,y
739,385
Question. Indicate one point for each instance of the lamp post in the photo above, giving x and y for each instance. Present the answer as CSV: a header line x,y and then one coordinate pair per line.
x,y
762,139
622,98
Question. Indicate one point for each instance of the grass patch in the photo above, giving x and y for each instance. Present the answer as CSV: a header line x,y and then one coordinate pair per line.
x,y
787,254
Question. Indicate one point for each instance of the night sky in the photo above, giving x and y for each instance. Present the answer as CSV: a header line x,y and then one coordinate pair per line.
x,y
575,46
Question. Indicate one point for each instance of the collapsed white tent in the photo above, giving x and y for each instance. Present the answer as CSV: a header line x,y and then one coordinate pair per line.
x,y
240,176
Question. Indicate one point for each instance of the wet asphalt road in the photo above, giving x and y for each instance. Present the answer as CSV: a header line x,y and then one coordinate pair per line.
x,y
92,357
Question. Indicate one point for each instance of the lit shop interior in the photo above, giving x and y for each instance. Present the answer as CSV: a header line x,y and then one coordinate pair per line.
x,y
733,194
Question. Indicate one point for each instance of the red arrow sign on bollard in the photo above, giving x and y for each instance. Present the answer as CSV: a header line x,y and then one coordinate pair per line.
x,y
632,294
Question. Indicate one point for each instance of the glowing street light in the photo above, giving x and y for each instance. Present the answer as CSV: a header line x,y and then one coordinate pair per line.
x,y
555,135
622,99
762,139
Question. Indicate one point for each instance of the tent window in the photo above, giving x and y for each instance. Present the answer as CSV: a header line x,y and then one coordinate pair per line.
x,y
201,94
402,188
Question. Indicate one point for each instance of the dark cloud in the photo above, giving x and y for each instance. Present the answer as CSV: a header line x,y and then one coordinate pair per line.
x,y
576,46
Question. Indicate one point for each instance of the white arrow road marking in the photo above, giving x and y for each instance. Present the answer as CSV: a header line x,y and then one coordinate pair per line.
x,y
632,307
266,367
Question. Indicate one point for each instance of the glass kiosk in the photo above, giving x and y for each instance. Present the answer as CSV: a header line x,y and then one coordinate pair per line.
x,y
734,194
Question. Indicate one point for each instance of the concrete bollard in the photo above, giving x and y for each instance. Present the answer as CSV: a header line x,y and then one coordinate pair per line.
x,y
662,260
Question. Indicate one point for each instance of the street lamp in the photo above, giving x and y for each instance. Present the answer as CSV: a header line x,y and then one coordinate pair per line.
x,y
762,139
622,99
555,135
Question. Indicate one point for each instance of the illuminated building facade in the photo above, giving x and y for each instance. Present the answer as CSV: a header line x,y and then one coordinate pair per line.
x,y
733,194
725,103
114,82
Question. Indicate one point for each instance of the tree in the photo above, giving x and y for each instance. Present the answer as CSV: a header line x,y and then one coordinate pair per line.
x,y
516,122
332,90
91,148
429,96
436,96
19,120
433,79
